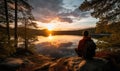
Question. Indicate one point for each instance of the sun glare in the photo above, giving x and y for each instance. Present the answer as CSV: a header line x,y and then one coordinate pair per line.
x,y
50,36
50,27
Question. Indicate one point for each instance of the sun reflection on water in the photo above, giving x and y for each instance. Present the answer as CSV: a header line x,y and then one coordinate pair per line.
x,y
50,37
57,40
53,42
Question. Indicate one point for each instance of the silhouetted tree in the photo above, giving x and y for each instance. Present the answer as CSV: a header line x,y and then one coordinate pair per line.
x,y
105,10
16,23
7,21
108,12
16,11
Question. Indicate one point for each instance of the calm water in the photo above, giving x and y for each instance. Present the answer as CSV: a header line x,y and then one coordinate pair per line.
x,y
57,46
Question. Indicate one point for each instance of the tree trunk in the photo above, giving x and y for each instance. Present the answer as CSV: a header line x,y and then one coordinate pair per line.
x,y
26,40
15,29
7,22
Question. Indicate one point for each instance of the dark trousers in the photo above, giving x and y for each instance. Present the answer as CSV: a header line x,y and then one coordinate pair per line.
x,y
79,52
85,55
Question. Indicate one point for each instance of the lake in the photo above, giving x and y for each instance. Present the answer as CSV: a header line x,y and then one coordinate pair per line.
x,y
57,46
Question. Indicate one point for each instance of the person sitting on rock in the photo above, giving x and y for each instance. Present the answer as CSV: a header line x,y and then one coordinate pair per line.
x,y
86,47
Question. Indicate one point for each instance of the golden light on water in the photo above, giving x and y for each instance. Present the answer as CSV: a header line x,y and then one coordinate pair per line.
x,y
52,41
56,41
50,37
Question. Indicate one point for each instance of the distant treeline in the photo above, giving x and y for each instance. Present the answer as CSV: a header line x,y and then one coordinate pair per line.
x,y
45,32
74,32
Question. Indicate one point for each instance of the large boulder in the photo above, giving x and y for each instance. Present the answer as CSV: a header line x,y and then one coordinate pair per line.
x,y
94,65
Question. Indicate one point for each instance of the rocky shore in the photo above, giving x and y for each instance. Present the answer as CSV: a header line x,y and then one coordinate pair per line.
x,y
35,62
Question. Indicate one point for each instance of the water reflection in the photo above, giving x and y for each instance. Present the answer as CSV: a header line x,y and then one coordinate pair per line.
x,y
58,38
57,46
50,36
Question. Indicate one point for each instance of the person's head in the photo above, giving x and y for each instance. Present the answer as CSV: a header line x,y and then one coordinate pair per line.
x,y
85,33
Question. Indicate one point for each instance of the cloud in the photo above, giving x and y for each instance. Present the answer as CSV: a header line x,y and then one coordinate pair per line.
x,y
47,10
69,20
76,13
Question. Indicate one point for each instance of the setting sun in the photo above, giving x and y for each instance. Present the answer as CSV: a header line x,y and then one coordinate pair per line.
x,y
50,27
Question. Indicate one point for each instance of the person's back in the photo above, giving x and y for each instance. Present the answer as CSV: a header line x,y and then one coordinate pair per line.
x,y
89,49
86,47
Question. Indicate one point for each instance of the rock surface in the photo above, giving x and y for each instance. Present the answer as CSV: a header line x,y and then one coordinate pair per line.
x,y
45,63
10,64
